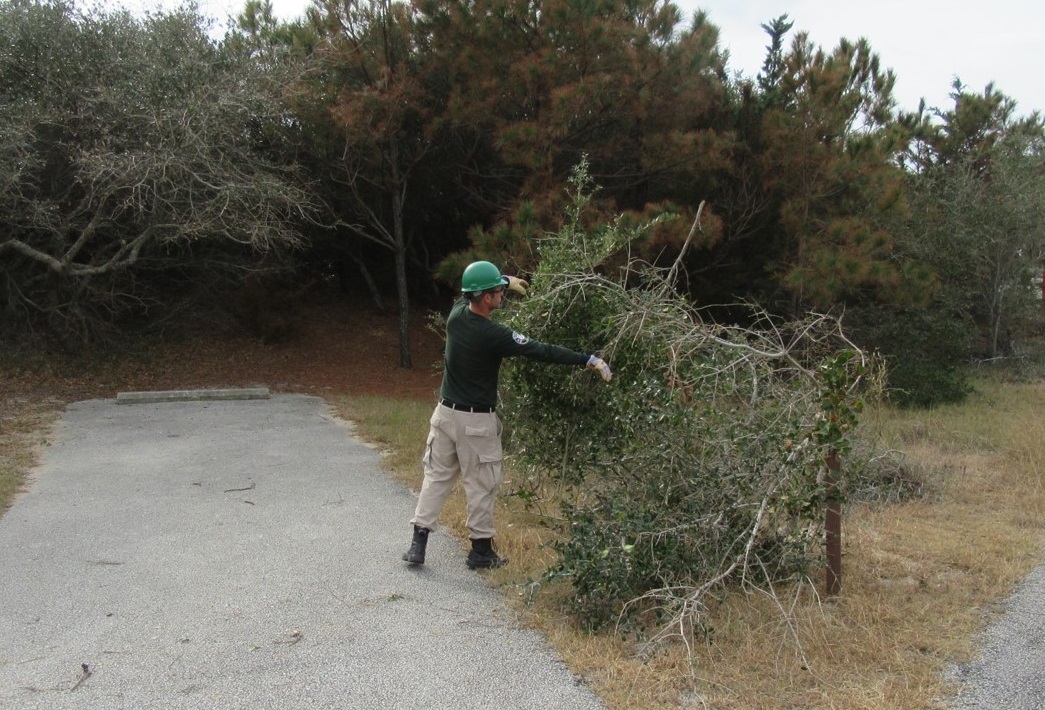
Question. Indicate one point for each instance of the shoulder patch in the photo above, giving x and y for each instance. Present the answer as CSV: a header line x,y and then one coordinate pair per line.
x,y
520,338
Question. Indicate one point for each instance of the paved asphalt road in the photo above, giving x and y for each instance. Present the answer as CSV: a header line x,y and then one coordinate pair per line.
x,y
1009,673
243,554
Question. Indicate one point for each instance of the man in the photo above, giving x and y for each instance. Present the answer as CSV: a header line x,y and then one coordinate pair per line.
x,y
465,435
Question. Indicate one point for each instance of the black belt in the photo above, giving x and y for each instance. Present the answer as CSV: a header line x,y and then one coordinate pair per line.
x,y
466,408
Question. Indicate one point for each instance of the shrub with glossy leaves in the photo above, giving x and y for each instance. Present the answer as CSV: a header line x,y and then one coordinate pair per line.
x,y
702,464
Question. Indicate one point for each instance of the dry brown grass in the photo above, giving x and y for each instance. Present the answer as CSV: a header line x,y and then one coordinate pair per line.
x,y
24,428
920,578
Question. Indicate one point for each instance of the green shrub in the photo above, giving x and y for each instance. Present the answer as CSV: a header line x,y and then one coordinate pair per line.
x,y
702,464
925,349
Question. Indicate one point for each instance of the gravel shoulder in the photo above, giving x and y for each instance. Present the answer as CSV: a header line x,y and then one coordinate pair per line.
x,y
1009,671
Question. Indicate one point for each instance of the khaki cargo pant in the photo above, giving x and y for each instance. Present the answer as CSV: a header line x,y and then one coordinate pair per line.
x,y
466,445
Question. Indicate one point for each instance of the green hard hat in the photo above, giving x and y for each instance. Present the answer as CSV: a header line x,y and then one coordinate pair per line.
x,y
481,275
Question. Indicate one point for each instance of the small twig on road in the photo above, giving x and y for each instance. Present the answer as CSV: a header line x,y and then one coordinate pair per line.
x,y
84,675
295,636
238,490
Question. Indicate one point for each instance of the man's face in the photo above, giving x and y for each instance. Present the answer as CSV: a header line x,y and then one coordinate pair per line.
x,y
495,297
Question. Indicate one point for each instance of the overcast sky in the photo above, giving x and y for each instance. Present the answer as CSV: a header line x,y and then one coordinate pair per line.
x,y
927,43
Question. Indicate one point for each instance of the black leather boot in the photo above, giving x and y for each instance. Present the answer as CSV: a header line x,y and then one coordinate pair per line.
x,y
482,555
416,554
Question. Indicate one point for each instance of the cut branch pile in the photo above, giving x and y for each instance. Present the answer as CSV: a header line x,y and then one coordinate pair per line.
x,y
701,466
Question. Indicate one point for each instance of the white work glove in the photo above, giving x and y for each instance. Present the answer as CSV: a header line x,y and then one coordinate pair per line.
x,y
601,367
518,286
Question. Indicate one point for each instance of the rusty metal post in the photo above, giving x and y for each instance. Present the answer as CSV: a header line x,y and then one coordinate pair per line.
x,y
833,528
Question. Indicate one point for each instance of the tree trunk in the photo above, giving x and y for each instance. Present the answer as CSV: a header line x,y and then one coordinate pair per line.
x,y
995,329
995,309
405,359
404,310
364,272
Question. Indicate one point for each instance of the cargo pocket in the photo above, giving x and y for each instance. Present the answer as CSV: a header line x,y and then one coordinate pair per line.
x,y
487,446
426,458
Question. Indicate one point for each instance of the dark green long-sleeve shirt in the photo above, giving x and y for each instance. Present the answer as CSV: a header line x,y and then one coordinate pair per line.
x,y
475,347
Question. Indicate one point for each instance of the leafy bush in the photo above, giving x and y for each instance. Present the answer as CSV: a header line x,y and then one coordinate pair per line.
x,y
703,462
142,167
924,349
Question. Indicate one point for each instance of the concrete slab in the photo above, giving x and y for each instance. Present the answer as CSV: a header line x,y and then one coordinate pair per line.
x,y
192,395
